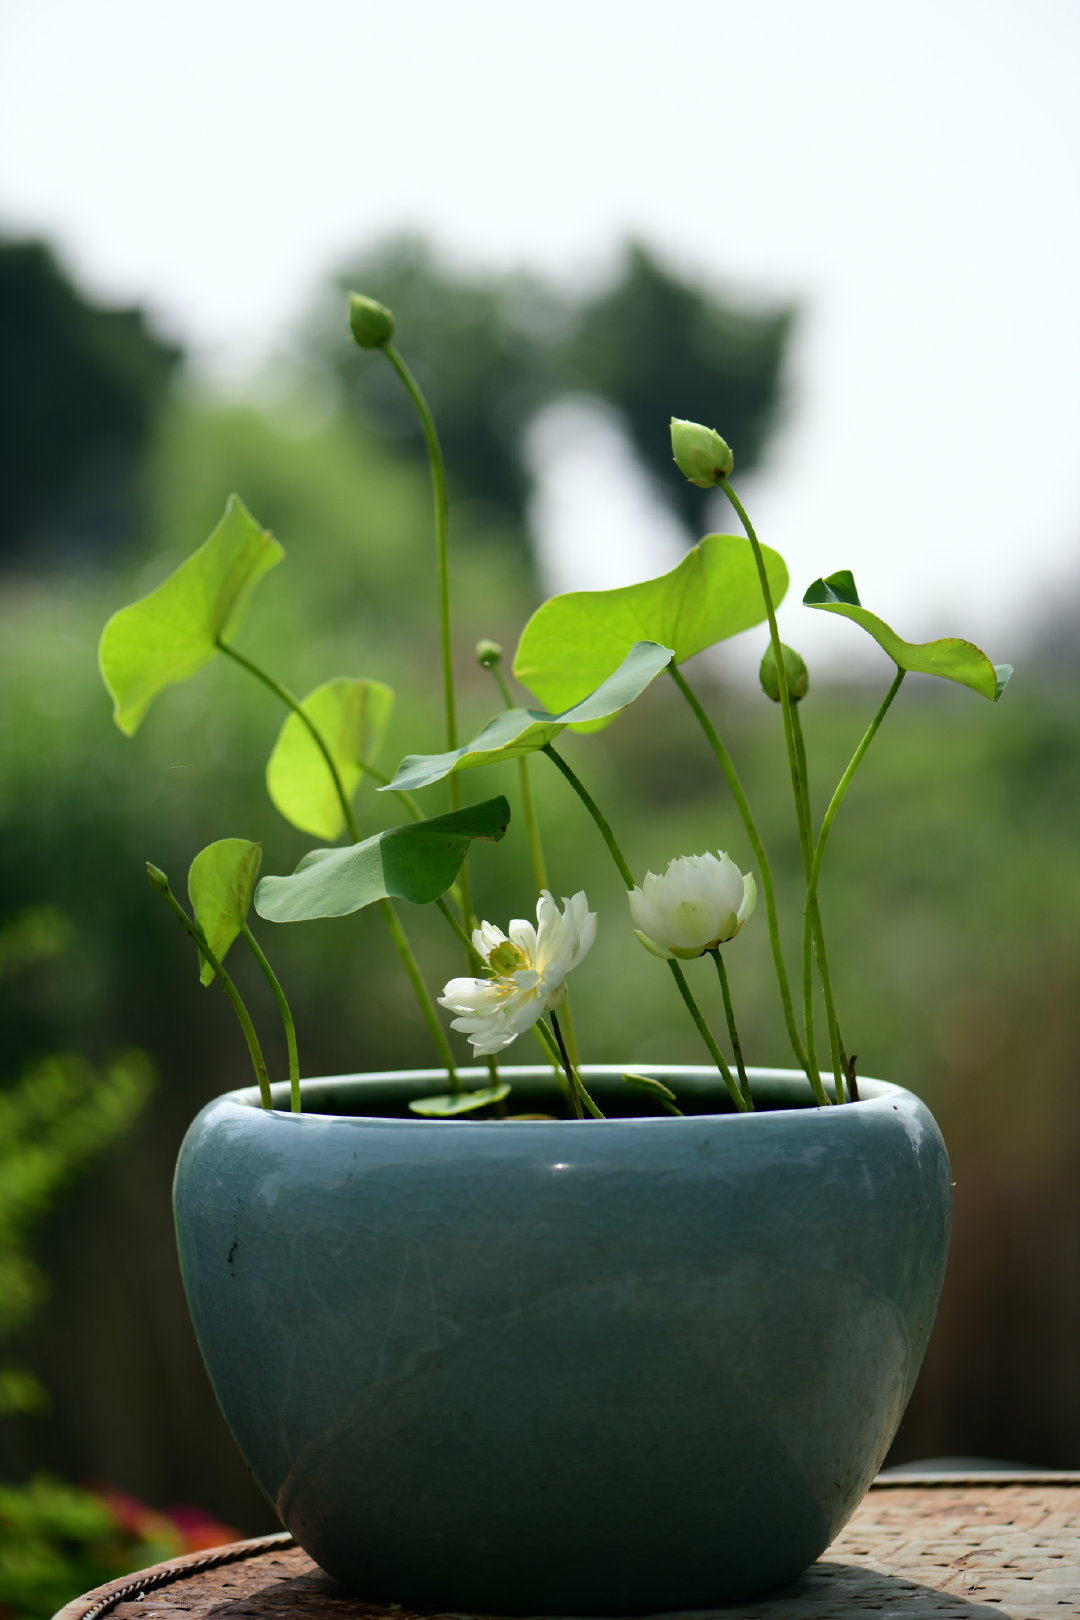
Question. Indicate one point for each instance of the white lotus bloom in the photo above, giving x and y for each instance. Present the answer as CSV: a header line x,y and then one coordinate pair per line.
x,y
699,902
528,969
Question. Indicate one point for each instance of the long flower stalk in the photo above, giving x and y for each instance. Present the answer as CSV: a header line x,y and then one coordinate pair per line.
x,y
823,836
627,876
160,882
389,915
286,1015
768,888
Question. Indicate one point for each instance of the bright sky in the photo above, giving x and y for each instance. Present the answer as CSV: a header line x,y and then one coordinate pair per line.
x,y
909,172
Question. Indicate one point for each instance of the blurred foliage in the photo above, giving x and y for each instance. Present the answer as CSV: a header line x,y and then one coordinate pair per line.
x,y
80,391
60,1114
58,1540
491,350
951,889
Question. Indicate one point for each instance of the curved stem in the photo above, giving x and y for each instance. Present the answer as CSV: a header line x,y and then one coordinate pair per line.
x,y
628,878
594,810
397,932
399,793
786,704
742,1103
442,548
528,809
823,837
743,805
442,553
286,1016
235,998
836,1044
577,1087
729,1014
423,995
293,703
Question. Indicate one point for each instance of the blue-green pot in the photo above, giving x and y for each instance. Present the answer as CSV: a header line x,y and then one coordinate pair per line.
x,y
570,1367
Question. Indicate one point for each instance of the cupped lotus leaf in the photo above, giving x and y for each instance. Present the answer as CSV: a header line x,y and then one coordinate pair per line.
x,y
713,593
416,862
221,883
170,634
459,1102
523,731
952,659
351,716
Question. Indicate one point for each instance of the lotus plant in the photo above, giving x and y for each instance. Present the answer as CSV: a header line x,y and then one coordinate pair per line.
x,y
584,656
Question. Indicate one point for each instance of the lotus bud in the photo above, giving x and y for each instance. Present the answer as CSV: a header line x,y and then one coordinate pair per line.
x,y
699,903
488,654
700,453
370,322
157,878
798,678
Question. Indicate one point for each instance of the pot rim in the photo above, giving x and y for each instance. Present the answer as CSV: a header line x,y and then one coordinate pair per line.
x,y
875,1096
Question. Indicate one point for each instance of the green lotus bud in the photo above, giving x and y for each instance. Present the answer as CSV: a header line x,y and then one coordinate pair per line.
x,y
488,654
371,323
798,678
700,453
157,877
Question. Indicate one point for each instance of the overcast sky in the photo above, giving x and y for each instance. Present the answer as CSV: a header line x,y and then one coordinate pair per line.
x,y
910,173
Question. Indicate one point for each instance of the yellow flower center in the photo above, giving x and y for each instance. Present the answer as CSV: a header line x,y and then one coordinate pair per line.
x,y
506,958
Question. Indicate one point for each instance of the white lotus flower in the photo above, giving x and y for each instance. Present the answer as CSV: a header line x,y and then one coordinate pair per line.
x,y
528,971
699,902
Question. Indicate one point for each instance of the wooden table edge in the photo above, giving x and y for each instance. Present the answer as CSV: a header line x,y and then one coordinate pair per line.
x,y
103,1598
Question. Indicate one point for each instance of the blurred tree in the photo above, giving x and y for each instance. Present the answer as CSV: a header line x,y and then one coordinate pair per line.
x,y
655,346
490,351
80,390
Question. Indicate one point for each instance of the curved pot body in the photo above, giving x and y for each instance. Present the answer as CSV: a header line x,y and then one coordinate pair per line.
x,y
588,1367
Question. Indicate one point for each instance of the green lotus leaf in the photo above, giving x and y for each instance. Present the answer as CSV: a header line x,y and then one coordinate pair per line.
x,y
416,862
713,593
170,634
351,716
221,883
459,1102
523,731
950,658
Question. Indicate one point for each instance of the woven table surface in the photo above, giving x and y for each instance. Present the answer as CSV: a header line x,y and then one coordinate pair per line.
x,y
954,1546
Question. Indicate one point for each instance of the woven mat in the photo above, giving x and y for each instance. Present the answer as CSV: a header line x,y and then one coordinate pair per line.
x,y
956,1547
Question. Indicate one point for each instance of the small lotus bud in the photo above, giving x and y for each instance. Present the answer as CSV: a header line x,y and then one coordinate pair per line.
x,y
700,453
488,654
798,678
157,877
371,323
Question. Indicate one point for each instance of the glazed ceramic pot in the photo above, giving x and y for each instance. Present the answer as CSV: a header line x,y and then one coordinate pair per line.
x,y
569,1367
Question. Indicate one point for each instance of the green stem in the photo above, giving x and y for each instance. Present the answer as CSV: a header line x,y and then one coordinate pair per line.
x,y
742,1103
442,547
729,1014
399,793
823,838
836,1043
475,959
536,847
577,1086
423,996
786,704
286,1015
161,884
442,551
594,810
293,703
397,932
743,805
628,878
528,809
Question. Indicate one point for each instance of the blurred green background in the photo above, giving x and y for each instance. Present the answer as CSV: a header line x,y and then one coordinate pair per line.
x,y
951,892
